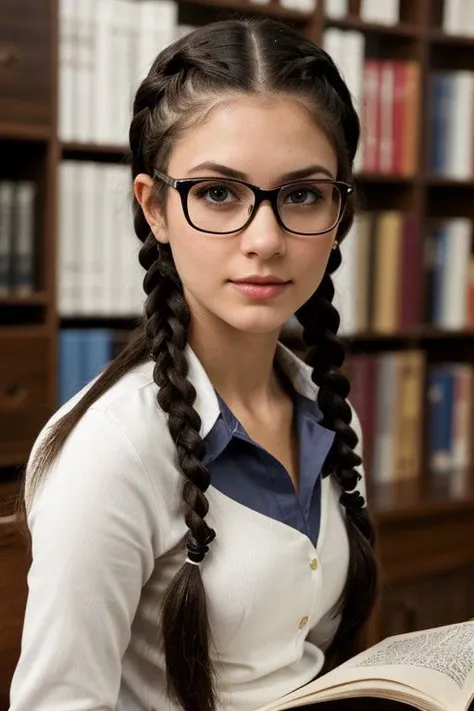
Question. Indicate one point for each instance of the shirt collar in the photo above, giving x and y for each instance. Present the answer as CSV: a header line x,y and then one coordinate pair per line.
x,y
207,403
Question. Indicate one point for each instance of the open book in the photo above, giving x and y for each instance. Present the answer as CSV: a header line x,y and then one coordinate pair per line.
x,y
431,670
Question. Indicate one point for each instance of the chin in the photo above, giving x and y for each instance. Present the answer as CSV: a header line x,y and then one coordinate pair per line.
x,y
262,323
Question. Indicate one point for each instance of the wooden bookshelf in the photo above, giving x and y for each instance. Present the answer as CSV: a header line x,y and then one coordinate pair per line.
x,y
424,536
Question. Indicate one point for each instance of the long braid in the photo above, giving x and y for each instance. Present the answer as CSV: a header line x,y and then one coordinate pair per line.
x,y
320,321
166,326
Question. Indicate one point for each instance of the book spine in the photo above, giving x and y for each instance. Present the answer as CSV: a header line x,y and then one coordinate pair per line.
x,y
386,118
370,113
7,192
23,267
399,99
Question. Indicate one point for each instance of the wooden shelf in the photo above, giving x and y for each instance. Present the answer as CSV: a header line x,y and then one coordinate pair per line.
x,y
95,152
443,38
271,9
422,498
421,333
440,181
113,322
40,298
390,178
401,29
25,132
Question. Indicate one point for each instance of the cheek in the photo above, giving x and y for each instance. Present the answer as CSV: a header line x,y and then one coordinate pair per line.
x,y
313,258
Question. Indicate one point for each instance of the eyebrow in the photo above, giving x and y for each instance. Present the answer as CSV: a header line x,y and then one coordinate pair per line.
x,y
238,175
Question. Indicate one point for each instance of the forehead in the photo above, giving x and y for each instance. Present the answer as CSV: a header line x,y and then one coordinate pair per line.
x,y
262,137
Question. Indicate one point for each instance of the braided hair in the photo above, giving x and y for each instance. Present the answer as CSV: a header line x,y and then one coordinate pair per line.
x,y
186,80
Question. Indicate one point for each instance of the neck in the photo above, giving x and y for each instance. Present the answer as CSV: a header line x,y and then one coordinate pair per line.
x,y
239,365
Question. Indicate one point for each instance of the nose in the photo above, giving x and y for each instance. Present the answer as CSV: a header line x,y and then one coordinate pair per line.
x,y
263,237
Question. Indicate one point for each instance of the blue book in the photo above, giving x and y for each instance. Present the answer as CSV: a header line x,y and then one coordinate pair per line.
x,y
440,235
71,378
97,351
442,94
440,416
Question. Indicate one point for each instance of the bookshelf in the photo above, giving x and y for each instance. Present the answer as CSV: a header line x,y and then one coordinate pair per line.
x,y
425,529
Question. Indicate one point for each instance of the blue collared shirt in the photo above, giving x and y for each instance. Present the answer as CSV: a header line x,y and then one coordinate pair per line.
x,y
246,472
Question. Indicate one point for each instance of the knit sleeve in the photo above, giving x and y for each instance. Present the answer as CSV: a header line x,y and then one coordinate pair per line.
x,y
93,536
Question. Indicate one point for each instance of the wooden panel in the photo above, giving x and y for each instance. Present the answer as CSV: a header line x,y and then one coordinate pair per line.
x,y
26,62
24,380
13,593
428,602
425,545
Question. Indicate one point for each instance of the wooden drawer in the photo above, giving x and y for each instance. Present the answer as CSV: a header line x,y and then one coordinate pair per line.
x,y
27,62
24,393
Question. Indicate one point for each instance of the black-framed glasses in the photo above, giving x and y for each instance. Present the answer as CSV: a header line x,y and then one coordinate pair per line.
x,y
222,206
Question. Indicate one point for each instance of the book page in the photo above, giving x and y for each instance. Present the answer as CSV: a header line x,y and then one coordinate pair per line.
x,y
438,663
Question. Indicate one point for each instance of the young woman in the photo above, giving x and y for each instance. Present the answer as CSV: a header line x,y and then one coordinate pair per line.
x,y
199,531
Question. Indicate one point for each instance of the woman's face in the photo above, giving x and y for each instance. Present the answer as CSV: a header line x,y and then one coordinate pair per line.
x,y
262,139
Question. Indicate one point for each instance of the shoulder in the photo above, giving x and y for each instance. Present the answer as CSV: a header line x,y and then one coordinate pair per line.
x,y
116,451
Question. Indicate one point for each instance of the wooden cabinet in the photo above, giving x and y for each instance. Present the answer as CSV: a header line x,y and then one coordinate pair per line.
x,y
24,392
27,54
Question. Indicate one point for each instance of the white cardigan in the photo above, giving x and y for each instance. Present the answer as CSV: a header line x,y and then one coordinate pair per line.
x,y
107,529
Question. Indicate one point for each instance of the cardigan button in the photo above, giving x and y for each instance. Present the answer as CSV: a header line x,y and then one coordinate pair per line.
x,y
314,564
303,622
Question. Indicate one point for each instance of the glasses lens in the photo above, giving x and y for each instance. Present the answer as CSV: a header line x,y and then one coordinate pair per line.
x,y
310,206
220,205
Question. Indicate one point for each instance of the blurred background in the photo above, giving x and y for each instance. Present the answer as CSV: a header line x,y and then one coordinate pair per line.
x,y
70,283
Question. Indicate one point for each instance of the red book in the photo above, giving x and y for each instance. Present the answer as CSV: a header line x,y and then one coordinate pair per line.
x,y
399,98
411,265
363,398
371,115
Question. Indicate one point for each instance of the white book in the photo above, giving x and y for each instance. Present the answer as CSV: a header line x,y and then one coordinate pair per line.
x,y
456,278
88,195
460,131
333,44
122,70
454,16
145,46
468,6
105,228
66,71
352,66
24,237
346,284
7,191
336,9
83,63
68,238
166,21
102,89
385,12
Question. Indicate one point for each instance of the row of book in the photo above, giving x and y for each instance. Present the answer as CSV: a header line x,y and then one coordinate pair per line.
x,y
106,48
98,268
83,354
393,277
412,412
452,124
385,12
450,274
17,237
458,17
387,97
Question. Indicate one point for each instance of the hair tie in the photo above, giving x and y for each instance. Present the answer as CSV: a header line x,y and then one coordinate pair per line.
x,y
193,562
196,550
352,500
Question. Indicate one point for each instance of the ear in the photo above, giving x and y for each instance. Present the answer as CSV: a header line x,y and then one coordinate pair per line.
x,y
143,190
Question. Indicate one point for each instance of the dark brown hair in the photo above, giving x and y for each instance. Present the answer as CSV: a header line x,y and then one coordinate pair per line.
x,y
189,77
